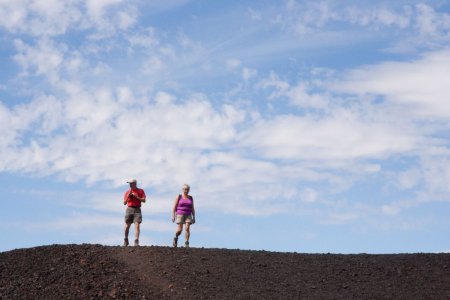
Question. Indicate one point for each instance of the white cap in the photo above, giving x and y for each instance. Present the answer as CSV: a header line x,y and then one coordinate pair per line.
x,y
132,181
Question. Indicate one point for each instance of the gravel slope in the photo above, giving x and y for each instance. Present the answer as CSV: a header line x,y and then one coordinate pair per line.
x,y
104,272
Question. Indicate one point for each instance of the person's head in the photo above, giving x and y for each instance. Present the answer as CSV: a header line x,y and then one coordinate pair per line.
x,y
186,188
133,183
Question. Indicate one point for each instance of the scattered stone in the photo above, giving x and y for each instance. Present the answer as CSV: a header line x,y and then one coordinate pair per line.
x,y
101,272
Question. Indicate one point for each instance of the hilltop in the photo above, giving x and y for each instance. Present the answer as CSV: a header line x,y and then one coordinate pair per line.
x,y
98,272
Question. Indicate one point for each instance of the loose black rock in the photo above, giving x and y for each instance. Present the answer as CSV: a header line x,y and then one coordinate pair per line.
x,y
104,272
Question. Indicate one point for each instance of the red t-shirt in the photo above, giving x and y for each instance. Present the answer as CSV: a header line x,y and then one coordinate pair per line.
x,y
133,201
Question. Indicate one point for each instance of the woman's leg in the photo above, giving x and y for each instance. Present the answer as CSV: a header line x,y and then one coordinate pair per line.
x,y
188,232
179,230
177,234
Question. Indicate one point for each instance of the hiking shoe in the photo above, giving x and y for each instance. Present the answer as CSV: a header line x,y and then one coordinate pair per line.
x,y
186,244
125,242
175,242
136,242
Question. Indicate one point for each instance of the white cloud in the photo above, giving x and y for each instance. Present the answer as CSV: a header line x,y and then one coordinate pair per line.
x,y
254,15
8,129
340,218
39,17
379,16
112,202
12,14
308,195
147,39
248,73
436,175
396,207
429,182
390,209
52,17
233,64
305,94
85,126
275,82
108,16
420,87
97,8
82,221
300,96
44,59
97,133
162,6
431,23
408,179
421,24
43,117
189,140
304,18
342,136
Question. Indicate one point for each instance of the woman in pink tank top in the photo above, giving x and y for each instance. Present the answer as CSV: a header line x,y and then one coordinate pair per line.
x,y
184,213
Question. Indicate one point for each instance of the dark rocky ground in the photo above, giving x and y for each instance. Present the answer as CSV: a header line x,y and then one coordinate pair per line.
x,y
101,272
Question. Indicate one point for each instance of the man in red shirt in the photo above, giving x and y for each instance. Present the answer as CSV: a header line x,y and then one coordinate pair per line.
x,y
133,199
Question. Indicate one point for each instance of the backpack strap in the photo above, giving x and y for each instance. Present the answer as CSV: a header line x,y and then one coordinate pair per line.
x,y
189,196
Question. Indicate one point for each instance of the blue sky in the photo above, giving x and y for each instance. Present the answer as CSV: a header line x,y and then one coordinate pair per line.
x,y
306,126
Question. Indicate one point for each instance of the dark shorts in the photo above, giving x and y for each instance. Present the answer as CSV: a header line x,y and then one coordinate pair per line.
x,y
133,215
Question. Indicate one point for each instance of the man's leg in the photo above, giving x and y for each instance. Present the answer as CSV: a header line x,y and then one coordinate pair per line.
x,y
127,230
137,225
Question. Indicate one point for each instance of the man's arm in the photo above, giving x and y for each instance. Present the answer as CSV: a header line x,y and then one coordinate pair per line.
x,y
130,194
141,199
126,197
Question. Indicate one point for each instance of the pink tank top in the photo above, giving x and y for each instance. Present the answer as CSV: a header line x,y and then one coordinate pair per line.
x,y
184,206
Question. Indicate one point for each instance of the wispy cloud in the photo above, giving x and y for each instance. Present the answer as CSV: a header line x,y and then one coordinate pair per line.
x,y
50,18
420,86
140,103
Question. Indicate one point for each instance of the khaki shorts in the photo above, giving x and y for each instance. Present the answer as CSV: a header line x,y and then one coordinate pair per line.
x,y
183,219
133,215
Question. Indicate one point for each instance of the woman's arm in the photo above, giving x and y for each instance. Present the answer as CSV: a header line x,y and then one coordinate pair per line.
x,y
193,210
175,205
